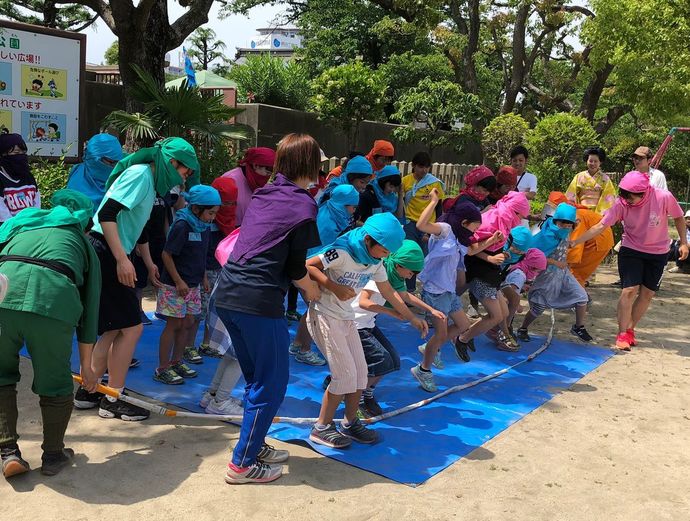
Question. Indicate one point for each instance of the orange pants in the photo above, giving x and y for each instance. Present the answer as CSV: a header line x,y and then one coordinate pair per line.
x,y
591,258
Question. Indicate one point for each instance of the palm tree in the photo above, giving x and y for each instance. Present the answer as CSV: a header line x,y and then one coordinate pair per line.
x,y
176,111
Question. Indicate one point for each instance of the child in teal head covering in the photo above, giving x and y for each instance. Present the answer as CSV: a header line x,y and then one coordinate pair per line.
x,y
382,194
381,356
342,270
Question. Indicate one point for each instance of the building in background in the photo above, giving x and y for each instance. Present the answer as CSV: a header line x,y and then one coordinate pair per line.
x,y
111,73
276,41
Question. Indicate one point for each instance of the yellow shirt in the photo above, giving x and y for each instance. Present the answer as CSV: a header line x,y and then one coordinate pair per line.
x,y
414,205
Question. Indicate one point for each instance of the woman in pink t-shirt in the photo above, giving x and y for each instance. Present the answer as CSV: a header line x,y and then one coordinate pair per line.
x,y
644,211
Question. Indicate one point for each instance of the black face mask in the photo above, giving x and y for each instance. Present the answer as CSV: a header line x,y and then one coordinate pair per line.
x,y
16,166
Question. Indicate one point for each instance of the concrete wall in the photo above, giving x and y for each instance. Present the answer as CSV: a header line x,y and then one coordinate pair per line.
x,y
272,123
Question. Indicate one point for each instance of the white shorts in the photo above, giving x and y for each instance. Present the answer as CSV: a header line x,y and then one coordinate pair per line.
x,y
338,341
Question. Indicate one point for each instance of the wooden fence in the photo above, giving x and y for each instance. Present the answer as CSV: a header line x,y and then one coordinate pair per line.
x,y
450,173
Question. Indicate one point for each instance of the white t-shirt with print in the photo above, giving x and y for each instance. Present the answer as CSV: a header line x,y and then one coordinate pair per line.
x,y
363,318
341,268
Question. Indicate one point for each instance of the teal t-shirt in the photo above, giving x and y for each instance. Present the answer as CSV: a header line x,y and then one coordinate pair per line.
x,y
134,190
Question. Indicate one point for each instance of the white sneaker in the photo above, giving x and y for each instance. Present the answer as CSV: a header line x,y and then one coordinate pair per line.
x,y
269,454
472,312
206,399
257,472
230,407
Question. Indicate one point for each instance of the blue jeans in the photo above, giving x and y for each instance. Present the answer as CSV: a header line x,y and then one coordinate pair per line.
x,y
381,356
261,346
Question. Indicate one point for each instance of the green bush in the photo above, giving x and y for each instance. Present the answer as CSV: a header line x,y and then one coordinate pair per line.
x,y
267,79
501,135
51,175
556,145
347,95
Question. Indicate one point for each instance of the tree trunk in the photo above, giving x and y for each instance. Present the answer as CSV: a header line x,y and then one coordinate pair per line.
x,y
590,100
518,62
612,116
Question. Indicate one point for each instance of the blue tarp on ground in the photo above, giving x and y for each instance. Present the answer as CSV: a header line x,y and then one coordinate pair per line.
x,y
416,445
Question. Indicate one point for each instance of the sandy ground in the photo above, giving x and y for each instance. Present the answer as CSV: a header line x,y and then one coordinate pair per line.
x,y
615,446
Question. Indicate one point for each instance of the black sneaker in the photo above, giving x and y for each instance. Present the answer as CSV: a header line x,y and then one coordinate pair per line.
x,y
523,335
617,284
121,410
83,399
370,407
53,462
191,355
184,370
12,462
581,333
330,437
134,363
461,349
326,382
168,376
358,432
145,319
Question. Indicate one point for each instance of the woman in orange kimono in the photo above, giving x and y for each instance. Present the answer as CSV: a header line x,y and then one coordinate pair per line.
x,y
585,258
592,188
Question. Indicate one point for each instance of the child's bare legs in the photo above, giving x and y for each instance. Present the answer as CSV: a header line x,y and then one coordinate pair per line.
x,y
495,308
435,342
186,331
513,298
302,337
168,340
101,351
372,381
580,314
330,404
120,348
192,323
460,324
529,318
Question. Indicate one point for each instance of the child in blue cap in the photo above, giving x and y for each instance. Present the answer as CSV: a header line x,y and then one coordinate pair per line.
x,y
179,298
342,270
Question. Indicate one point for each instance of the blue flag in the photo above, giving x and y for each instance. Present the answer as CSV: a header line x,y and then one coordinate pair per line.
x,y
189,69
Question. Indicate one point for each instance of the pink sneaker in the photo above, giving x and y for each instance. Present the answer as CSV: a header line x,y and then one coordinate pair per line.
x,y
631,336
623,341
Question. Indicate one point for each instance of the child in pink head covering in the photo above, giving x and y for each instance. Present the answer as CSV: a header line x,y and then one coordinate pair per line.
x,y
644,211
479,182
483,269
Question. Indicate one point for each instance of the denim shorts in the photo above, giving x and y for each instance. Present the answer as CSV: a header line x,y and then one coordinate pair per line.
x,y
381,356
445,302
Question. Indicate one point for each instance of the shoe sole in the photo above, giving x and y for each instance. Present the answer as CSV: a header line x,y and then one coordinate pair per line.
x,y
194,361
320,441
14,468
236,480
421,383
174,382
124,417
462,352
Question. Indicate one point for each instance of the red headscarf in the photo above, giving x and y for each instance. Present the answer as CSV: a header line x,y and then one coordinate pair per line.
x,y
506,175
381,148
261,156
472,178
225,218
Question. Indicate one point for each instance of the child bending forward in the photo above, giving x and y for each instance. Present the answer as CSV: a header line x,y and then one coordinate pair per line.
x,y
342,271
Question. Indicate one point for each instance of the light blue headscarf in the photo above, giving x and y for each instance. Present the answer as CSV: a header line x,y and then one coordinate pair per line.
x,y
202,195
384,228
356,165
520,237
550,236
90,176
388,202
333,218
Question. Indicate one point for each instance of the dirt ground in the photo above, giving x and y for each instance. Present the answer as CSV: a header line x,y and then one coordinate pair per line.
x,y
615,446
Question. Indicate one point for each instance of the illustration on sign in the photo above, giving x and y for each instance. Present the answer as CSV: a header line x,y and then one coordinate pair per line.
x,y
44,82
5,121
5,79
43,128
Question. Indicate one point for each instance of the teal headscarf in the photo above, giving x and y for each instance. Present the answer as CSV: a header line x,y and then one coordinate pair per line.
x,y
550,236
71,208
333,217
388,202
521,238
165,175
384,228
409,256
